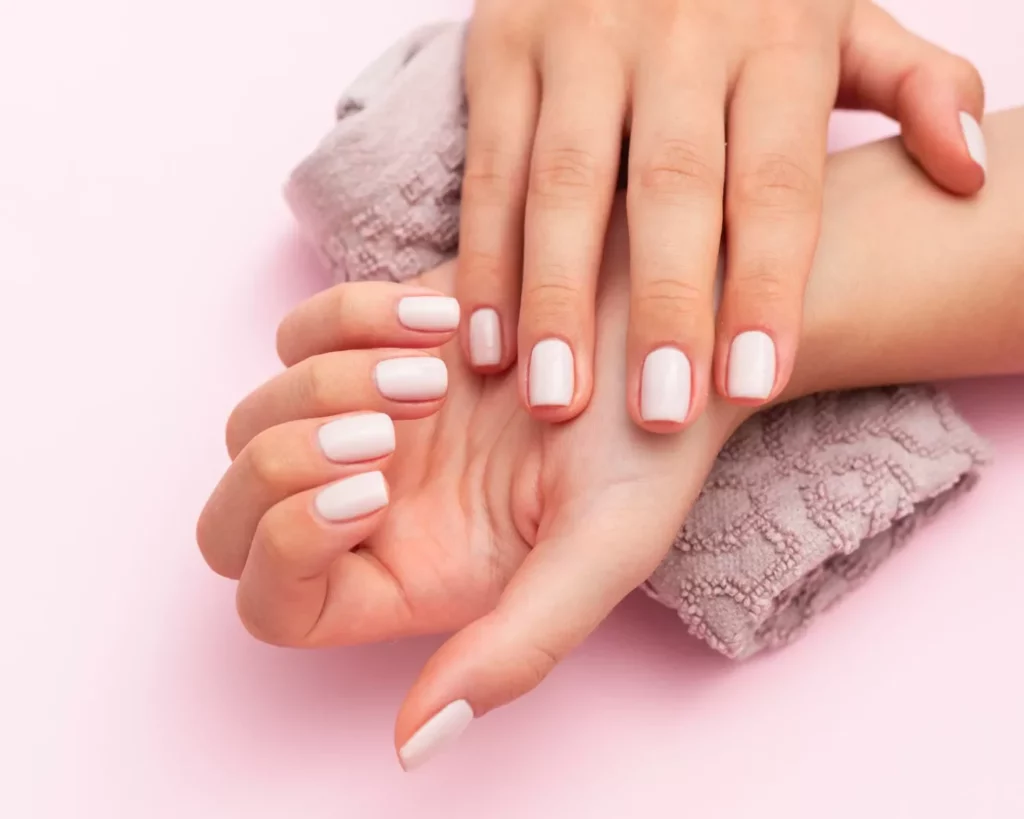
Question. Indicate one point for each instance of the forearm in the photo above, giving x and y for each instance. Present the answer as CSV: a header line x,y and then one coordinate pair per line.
x,y
910,283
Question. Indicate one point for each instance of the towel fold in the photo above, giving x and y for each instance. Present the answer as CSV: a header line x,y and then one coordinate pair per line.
x,y
805,501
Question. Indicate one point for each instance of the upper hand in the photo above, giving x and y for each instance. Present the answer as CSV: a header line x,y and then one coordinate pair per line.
x,y
700,86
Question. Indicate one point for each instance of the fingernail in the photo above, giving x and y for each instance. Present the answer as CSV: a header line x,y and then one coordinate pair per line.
x,y
430,313
353,497
552,375
437,732
975,139
665,386
422,378
484,338
751,365
357,438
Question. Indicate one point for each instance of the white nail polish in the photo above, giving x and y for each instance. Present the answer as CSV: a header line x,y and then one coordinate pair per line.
x,y
356,438
437,732
975,139
430,313
353,497
751,371
552,374
665,386
484,338
421,378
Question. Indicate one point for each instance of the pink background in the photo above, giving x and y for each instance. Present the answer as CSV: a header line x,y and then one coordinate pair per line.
x,y
145,258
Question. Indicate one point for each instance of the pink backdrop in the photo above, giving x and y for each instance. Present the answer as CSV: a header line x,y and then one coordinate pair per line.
x,y
145,258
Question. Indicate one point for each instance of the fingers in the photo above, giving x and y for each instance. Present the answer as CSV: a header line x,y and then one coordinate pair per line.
x,y
778,122
283,461
573,171
674,202
367,314
297,550
503,100
403,384
566,587
936,96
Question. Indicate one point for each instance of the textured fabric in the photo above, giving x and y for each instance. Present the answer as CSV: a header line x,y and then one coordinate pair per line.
x,y
804,502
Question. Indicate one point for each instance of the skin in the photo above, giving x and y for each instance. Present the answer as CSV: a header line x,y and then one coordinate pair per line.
x,y
521,536
698,85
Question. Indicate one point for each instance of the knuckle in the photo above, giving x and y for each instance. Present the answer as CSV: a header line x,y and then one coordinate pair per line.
x,y
776,182
554,299
277,537
268,461
674,308
968,76
255,620
490,174
564,174
762,284
677,167
482,271
317,385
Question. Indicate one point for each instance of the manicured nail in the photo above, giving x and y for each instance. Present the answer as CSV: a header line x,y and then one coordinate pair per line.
x,y
430,313
422,378
975,139
356,438
665,386
552,374
353,497
484,338
440,730
751,365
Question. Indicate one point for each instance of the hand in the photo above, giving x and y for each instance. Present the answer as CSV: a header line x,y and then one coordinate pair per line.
x,y
700,85
472,516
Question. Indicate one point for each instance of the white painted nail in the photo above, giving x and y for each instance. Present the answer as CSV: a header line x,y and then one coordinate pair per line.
x,y
751,365
437,732
665,386
484,338
430,313
357,438
422,378
552,374
975,139
353,497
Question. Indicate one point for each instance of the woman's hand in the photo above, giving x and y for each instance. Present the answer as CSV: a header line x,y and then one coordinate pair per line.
x,y
554,84
465,514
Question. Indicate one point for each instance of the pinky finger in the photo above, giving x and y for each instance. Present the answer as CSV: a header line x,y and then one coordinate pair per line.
x,y
284,586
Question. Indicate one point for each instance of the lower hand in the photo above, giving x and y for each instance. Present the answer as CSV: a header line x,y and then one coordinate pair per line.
x,y
473,518
700,86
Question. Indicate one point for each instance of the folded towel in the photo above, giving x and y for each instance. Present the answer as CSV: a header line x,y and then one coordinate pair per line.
x,y
804,502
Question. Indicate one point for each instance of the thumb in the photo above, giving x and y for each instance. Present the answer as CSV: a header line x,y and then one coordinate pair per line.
x,y
584,564
937,97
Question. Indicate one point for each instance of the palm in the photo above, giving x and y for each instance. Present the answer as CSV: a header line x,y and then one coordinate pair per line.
x,y
474,486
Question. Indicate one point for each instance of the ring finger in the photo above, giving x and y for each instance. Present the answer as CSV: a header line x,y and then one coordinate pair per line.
x,y
404,384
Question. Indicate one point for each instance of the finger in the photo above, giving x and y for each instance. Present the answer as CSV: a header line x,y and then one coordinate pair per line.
x,y
282,461
674,203
298,549
503,95
572,181
403,384
937,97
367,314
778,128
544,613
